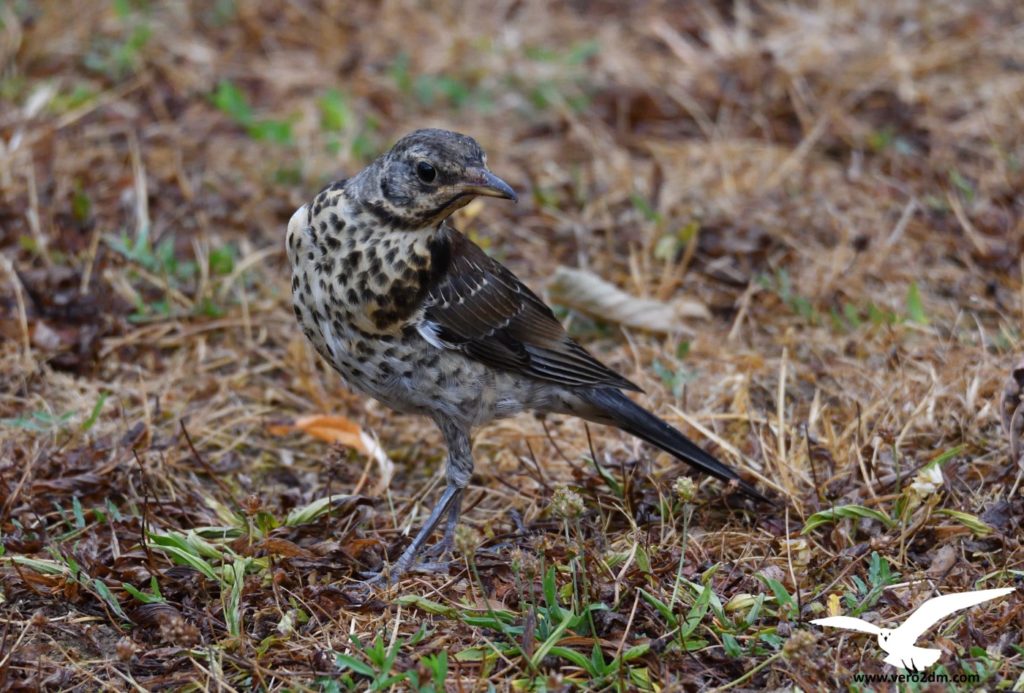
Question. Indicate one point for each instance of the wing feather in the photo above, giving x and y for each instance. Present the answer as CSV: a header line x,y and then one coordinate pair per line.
x,y
478,306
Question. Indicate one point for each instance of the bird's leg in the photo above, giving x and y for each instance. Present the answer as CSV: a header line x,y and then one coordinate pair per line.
x,y
444,547
448,499
459,469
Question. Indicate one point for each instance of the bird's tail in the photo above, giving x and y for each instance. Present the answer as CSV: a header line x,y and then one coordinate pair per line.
x,y
610,406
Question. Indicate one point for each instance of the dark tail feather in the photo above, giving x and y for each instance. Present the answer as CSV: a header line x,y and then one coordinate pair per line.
x,y
615,408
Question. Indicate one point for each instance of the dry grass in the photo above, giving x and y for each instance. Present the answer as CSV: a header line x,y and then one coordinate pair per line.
x,y
853,172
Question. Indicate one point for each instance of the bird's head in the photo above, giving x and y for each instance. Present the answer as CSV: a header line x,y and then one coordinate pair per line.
x,y
885,635
429,174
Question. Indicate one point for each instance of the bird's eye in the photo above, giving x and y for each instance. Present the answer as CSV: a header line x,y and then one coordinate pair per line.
x,y
426,172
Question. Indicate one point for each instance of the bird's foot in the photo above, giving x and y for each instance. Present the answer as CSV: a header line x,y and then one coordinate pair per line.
x,y
435,559
441,551
433,567
361,592
414,554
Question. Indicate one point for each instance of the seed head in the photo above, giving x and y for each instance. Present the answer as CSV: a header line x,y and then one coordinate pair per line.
x,y
125,649
685,489
566,503
800,646
524,563
178,631
251,504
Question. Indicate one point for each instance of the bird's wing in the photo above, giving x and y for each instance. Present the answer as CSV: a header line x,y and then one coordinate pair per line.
x,y
849,623
479,307
938,608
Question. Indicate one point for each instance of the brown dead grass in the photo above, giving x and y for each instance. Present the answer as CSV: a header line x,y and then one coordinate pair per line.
x,y
830,155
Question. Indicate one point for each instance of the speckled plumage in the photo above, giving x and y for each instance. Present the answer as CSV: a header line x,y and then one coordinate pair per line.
x,y
412,313
358,290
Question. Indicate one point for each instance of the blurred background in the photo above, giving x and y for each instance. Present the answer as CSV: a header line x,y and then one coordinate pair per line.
x,y
825,197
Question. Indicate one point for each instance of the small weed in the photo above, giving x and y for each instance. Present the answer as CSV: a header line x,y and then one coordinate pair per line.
x,y
401,73
550,623
962,185
367,145
866,595
222,259
159,259
233,102
849,512
915,308
781,285
62,102
850,317
81,205
670,245
577,54
563,79
13,87
375,662
676,379
94,415
67,566
643,205
335,115
432,90
220,13
880,140
880,316
46,422
288,175
152,597
784,601
162,261
40,422
120,57
452,91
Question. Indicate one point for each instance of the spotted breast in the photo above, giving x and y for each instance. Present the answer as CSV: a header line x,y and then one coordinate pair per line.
x,y
358,290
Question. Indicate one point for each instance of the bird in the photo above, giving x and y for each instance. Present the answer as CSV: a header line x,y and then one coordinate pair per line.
x,y
411,312
898,643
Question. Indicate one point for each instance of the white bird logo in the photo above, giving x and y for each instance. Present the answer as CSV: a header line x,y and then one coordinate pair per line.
x,y
899,642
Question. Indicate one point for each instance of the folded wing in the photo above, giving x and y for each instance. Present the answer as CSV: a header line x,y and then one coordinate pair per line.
x,y
480,308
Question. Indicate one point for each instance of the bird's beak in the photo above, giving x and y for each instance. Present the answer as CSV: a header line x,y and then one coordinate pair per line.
x,y
480,181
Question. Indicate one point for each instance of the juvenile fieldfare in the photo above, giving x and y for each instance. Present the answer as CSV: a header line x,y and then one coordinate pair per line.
x,y
411,312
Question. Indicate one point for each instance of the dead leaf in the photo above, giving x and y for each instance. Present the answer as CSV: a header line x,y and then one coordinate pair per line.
x,y
333,429
1002,515
155,614
341,431
773,572
44,337
356,547
942,561
283,547
586,292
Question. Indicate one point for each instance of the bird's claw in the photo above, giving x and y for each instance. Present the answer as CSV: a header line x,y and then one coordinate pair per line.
x,y
362,591
441,566
439,551
436,559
